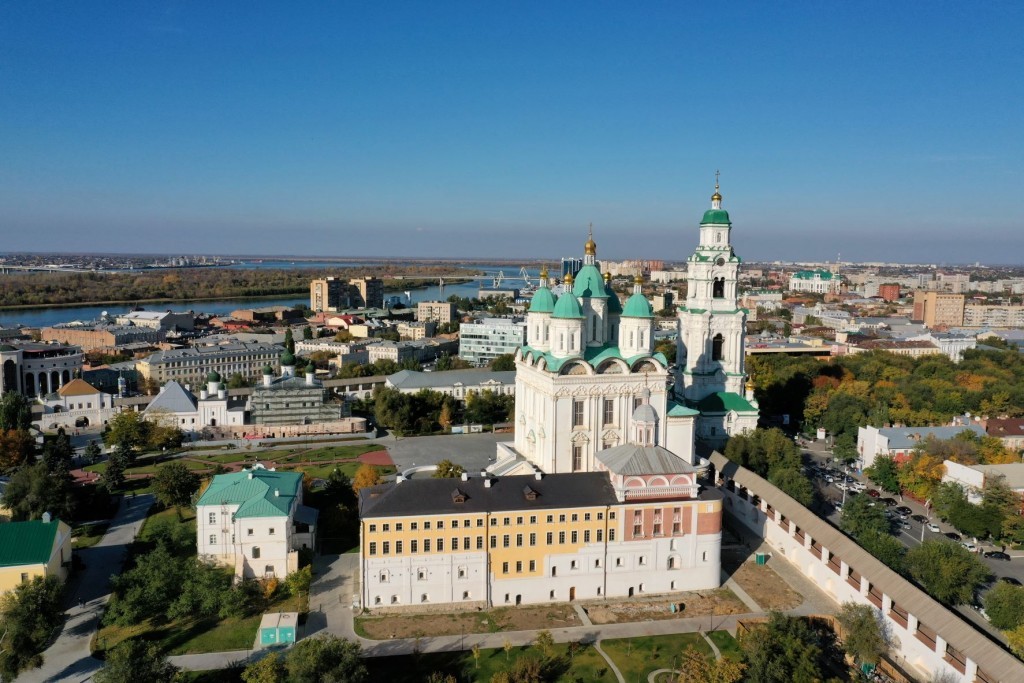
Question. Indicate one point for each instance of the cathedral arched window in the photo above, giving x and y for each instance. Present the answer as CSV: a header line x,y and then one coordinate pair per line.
x,y
718,237
716,347
718,288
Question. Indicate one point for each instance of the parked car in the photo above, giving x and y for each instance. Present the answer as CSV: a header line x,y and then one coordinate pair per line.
x,y
953,536
970,546
919,518
889,502
934,527
904,509
905,525
873,493
997,555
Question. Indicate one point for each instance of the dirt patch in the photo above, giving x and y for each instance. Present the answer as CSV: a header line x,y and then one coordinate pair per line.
x,y
767,588
376,458
503,619
718,602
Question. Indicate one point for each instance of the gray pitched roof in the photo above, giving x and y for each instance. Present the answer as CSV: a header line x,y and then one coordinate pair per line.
x,y
633,459
174,399
410,379
908,437
436,496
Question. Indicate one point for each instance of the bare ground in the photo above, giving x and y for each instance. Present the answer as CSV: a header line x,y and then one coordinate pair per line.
x,y
502,619
718,602
761,583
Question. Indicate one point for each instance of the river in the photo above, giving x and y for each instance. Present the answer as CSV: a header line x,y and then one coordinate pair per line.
x,y
47,316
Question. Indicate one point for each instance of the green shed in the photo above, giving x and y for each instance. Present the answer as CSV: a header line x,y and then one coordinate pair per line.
x,y
278,628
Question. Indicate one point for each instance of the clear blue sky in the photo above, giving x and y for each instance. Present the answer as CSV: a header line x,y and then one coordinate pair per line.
x,y
881,130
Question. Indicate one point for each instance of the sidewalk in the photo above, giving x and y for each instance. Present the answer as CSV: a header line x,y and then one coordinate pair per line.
x,y
69,658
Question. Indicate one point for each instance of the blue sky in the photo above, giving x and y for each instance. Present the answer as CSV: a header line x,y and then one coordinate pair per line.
x,y
882,131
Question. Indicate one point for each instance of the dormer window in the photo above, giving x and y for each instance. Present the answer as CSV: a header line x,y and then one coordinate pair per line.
x,y
458,496
529,493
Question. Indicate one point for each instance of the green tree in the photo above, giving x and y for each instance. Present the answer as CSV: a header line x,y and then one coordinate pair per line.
x,y
175,484
1015,639
446,469
885,472
545,641
136,660
58,453
29,614
269,669
289,341
793,482
860,517
948,571
92,453
15,411
237,381
127,432
862,633
504,363
1004,605
32,491
885,548
325,658
17,448
845,448
785,650
307,332
114,474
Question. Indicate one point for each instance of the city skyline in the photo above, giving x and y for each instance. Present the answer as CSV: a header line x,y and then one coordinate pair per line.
x,y
884,133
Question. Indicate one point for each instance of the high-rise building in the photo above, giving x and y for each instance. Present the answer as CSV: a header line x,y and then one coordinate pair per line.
x,y
438,311
370,292
327,294
936,309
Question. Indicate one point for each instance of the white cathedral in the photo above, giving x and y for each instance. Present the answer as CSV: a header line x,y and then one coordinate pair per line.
x,y
588,379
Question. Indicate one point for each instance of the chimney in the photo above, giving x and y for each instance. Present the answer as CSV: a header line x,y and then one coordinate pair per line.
x,y
465,476
309,377
277,493
203,395
538,475
487,482
222,394
250,475
46,518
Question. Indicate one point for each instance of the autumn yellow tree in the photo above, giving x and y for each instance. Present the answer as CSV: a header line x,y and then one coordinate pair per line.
x,y
366,475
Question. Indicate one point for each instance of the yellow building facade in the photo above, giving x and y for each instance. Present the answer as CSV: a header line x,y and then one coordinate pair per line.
x,y
35,548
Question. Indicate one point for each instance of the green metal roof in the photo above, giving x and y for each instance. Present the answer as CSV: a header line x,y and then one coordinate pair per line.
x,y
214,376
594,355
543,301
27,542
680,410
811,274
637,306
589,283
716,216
723,402
254,492
568,307
614,305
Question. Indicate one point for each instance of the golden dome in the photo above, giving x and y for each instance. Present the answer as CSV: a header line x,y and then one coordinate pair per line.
x,y
607,277
568,278
544,274
590,248
716,197
639,279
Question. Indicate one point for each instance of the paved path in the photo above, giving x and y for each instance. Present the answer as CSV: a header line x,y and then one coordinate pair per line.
x,y
69,658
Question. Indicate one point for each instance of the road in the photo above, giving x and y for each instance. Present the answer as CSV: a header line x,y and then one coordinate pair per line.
x,y
918,532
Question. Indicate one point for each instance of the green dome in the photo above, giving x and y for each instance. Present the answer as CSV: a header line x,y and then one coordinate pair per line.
x,y
637,306
287,358
543,301
7,347
267,370
568,307
311,367
214,376
589,283
717,216
614,305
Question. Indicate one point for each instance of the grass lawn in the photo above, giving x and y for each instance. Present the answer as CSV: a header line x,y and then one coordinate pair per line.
x,y
638,657
188,518
331,453
324,471
727,645
587,665
88,535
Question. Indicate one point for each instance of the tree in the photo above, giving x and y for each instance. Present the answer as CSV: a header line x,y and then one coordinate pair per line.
x,y
885,472
506,362
948,571
92,453
1015,638
885,548
289,341
237,381
175,484
476,655
845,448
793,482
366,475
58,452
545,641
32,491
29,614
15,411
696,667
1004,605
445,418
325,658
860,517
307,332
446,469
126,432
114,474
862,632
135,660
507,647
270,669
784,650
17,447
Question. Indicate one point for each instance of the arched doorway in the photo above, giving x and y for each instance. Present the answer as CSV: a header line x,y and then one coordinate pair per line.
x,y
30,385
10,376
54,380
716,347
65,377
44,384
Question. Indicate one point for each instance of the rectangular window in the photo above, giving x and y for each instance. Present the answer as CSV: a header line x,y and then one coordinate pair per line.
x,y
600,515
398,547
551,518
386,528
373,528
479,542
533,539
519,567
611,535
575,536
533,565
519,520
533,519
675,527
577,459
440,545
561,538
213,539
494,541
550,536
373,548
586,516
426,545
271,531
398,526
465,542
575,517
577,413
638,530
657,529
609,411
519,540
213,518
455,543
426,525
480,521
248,532
506,521
414,546
561,518
414,525
586,536
505,541
504,567
387,547
440,524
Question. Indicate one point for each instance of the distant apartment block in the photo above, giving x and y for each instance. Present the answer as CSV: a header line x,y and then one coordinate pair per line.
x,y
437,311
101,337
663,300
335,294
191,365
421,351
900,442
938,308
889,292
815,281
985,315
414,331
483,341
